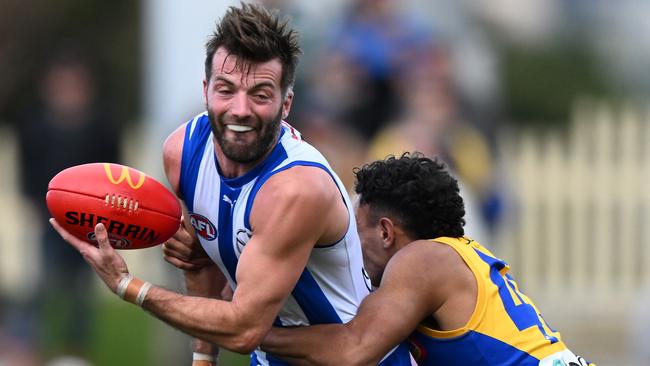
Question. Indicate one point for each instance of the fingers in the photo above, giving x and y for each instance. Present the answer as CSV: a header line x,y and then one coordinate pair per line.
x,y
102,237
184,258
174,248
183,236
77,243
184,246
186,266
103,259
183,250
203,262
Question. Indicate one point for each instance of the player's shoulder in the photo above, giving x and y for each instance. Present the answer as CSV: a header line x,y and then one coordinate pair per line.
x,y
300,182
413,268
297,189
172,153
426,258
198,125
174,142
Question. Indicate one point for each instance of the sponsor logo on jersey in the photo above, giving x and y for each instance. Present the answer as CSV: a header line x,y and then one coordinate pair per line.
x,y
203,226
228,200
124,175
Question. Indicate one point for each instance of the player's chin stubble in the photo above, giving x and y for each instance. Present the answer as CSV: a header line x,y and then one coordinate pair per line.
x,y
266,139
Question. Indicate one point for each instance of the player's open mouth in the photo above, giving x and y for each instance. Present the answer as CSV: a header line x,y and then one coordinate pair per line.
x,y
239,128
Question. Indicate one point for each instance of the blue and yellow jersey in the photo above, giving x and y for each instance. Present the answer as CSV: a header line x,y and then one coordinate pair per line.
x,y
506,328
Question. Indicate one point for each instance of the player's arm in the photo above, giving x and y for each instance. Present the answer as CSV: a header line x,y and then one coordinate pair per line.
x,y
207,282
292,211
408,294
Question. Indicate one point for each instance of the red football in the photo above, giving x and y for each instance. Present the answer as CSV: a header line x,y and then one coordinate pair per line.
x,y
136,209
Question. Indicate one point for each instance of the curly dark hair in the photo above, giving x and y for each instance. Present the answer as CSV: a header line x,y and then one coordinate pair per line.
x,y
415,191
254,34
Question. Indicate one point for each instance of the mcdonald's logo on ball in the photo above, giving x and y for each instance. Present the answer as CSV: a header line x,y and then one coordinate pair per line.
x,y
124,175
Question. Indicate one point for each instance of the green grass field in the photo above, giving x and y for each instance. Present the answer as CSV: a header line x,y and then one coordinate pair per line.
x,y
123,334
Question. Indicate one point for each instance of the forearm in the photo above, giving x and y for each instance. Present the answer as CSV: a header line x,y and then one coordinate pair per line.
x,y
214,321
326,344
206,282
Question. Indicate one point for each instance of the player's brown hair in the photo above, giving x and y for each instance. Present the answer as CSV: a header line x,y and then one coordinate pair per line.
x,y
254,34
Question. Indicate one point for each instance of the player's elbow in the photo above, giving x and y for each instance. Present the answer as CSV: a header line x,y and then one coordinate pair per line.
x,y
358,353
357,357
349,351
247,341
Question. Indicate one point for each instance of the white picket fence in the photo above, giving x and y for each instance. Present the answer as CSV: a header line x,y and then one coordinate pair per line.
x,y
580,219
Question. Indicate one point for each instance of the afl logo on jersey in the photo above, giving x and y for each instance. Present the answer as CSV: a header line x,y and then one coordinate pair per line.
x,y
203,226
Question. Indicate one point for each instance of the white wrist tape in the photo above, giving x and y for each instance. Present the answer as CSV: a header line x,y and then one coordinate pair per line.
x,y
132,289
198,356
142,293
122,285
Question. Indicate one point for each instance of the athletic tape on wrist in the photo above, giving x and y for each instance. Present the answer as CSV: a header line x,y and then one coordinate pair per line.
x,y
142,294
203,359
132,289
122,285
203,363
198,356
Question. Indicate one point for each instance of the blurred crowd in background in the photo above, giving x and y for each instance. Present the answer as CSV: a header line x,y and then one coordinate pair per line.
x,y
378,77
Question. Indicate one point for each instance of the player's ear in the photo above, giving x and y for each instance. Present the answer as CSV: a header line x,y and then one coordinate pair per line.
x,y
286,103
387,228
205,92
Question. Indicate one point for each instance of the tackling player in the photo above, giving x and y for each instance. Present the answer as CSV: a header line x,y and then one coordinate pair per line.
x,y
453,299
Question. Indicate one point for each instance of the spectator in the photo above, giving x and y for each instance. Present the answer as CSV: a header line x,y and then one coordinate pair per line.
x,y
70,124
431,121
376,38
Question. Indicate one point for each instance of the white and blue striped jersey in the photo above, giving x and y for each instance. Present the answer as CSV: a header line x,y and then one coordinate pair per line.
x,y
332,285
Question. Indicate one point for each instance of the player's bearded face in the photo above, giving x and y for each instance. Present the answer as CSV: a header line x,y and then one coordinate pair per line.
x,y
245,106
249,146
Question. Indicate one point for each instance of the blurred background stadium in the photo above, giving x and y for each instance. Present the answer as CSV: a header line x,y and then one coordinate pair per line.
x,y
540,107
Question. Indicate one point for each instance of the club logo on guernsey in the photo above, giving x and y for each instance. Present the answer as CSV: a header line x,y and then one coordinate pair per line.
x,y
203,226
366,280
124,175
242,236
